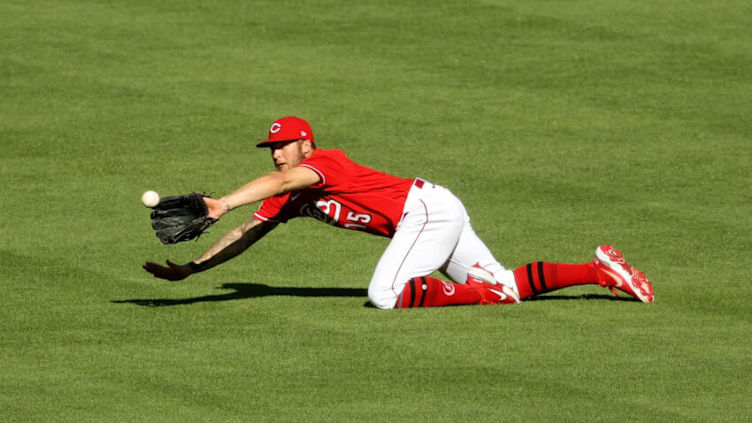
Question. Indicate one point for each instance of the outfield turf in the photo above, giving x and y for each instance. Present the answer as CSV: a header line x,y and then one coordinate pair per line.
x,y
561,125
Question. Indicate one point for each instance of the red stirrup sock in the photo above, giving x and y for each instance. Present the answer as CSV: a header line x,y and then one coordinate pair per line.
x,y
541,277
431,292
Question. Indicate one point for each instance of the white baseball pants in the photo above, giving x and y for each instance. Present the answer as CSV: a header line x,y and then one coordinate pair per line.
x,y
434,234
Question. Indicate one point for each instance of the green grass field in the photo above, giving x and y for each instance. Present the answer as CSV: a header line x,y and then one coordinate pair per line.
x,y
561,125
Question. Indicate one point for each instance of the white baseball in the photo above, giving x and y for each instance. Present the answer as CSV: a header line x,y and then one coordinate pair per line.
x,y
150,199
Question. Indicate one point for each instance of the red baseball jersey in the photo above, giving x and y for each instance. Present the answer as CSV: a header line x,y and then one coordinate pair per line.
x,y
348,195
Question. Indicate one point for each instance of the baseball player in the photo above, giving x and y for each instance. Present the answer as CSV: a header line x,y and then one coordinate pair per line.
x,y
428,226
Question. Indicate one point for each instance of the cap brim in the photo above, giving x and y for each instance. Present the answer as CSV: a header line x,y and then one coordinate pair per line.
x,y
266,143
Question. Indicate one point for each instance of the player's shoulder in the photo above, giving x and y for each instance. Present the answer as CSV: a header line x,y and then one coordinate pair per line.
x,y
330,155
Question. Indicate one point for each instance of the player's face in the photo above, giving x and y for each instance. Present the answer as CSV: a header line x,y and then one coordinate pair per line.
x,y
287,154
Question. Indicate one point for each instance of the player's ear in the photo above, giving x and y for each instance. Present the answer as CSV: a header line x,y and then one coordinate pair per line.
x,y
307,147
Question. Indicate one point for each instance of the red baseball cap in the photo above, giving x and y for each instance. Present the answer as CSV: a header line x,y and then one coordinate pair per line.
x,y
288,128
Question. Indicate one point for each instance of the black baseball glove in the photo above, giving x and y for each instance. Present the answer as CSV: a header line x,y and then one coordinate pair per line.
x,y
181,218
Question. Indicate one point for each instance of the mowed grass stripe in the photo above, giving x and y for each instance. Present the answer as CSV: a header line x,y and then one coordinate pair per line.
x,y
559,125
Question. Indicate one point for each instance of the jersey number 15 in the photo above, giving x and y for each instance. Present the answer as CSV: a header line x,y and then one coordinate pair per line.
x,y
333,208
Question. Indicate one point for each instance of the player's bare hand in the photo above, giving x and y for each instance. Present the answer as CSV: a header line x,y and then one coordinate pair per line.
x,y
171,272
216,207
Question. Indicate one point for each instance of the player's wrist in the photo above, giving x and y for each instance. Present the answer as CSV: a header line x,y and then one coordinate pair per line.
x,y
194,267
225,205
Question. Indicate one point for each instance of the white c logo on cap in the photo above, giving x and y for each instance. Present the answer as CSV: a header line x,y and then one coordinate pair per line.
x,y
275,128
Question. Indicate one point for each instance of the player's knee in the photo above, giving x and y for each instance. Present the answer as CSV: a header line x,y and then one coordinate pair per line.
x,y
381,299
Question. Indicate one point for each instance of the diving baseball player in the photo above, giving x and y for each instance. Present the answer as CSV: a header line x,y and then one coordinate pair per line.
x,y
428,226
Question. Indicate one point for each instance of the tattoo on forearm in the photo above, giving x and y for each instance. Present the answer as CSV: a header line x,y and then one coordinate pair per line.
x,y
232,244
223,243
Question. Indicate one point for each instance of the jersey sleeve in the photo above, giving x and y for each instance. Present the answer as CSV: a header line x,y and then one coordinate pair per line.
x,y
272,210
328,166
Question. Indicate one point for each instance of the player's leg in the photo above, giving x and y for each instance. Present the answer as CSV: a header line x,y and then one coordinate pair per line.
x,y
608,269
425,238
541,277
470,255
427,235
431,292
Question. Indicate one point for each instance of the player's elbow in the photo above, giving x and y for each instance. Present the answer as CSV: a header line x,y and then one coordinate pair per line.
x,y
288,183
298,178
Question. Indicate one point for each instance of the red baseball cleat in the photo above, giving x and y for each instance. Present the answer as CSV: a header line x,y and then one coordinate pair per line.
x,y
614,273
476,273
491,291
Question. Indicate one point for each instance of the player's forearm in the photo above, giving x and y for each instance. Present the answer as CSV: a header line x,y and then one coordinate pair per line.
x,y
274,183
256,190
232,244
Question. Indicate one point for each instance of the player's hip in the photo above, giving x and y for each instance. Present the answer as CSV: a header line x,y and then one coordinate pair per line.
x,y
431,204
